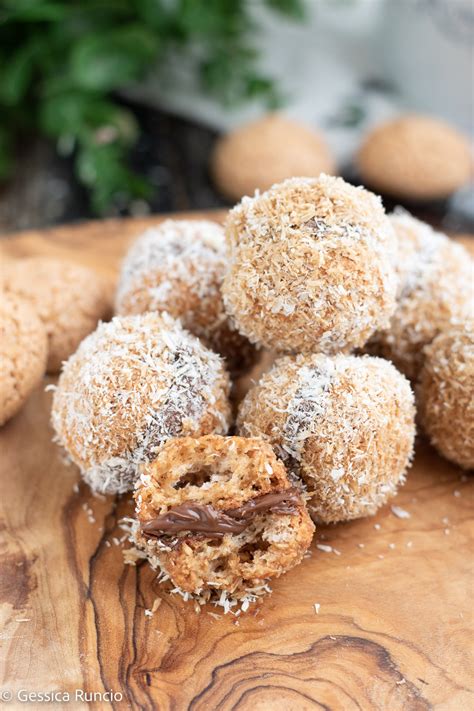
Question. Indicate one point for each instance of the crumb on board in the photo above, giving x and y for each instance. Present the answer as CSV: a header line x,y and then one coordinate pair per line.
x,y
214,615
323,547
399,512
151,611
317,607
132,555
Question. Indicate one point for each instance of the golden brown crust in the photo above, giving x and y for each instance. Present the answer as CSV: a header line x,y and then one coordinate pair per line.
x,y
225,472
267,151
445,394
23,350
344,424
69,298
310,266
415,157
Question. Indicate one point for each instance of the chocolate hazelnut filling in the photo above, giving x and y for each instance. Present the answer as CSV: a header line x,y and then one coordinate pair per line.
x,y
204,519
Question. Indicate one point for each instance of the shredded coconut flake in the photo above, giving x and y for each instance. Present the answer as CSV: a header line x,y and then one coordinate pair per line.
x,y
399,512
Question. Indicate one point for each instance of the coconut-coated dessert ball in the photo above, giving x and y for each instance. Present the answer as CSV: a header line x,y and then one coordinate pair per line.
x,y
435,292
415,157
310,266
219,513
69,298
343,424
445,394
266,151
132,384
23,352
178,267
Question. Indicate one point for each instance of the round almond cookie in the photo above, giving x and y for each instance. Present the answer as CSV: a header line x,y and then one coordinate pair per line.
x,y
178,267
219,514
445,394
435,292
343,424
131,385
267,151
69,298
23,351
310,266
415,157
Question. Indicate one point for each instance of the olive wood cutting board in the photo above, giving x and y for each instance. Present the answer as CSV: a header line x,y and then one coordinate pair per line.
x,y
381,617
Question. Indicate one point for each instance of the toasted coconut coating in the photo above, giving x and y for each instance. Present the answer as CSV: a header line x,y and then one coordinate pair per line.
x,y
225,472
445,394
178,267
267,151
343,424
69,298
310,266
23,351
132,384
435,292
415,157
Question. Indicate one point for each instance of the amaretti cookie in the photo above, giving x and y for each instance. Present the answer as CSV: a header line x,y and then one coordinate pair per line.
x,y
415,157
132,384
23,352
219,514
310,266
69,298
436,278
343,424
445,394
178,267
266,151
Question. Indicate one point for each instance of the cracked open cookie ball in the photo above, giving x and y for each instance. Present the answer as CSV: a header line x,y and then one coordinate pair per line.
x,y
435,292
343,424
178,267
132,384
445,394
219,514
310,266
23,351
69,298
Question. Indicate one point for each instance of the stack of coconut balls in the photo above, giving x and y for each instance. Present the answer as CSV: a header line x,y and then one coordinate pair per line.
x,y
314,271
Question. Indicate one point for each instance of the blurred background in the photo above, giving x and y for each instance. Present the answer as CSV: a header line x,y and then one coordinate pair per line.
x,y
129,107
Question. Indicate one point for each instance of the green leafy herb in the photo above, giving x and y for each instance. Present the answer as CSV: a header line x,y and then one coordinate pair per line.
x,y
62,60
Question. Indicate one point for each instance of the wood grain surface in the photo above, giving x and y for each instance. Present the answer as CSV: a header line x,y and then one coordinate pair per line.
x,y
394,627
